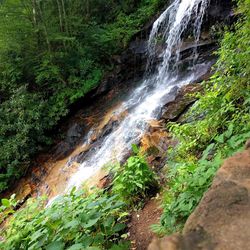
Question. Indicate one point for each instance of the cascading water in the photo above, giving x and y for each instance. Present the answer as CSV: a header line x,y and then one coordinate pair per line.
x,y
145,102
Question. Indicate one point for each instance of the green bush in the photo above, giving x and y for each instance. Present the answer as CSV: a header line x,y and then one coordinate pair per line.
x,y
134,180
76,221
187,182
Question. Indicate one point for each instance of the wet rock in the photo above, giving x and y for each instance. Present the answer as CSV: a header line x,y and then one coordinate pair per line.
x,y
204,77
129,65
139,46
169,97
108,128
24,193
110,80
73,136
155,143
62,149
221,220
108,124
185,97
74,133
105,182
187,49
219,11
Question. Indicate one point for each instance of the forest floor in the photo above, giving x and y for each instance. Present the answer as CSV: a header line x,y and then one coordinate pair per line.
x,y
139,227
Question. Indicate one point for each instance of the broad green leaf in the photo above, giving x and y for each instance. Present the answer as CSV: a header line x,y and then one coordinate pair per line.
x,y
6,203
78,246
91,223
57,245
109,221
92,248
135,149
119,227
72,224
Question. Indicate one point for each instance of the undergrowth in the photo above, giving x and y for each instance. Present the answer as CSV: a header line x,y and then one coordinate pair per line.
x,y
76,221
79,220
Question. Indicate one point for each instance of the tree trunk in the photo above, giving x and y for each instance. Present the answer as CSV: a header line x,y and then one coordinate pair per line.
x,y
60,15
44,28
65,17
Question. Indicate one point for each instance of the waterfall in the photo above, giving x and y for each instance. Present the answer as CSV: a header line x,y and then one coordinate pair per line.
x,y
171,25
145,102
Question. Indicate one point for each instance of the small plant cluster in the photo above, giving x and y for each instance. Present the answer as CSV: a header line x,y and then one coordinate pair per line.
x,y
135,180
219,128
74,222
7,207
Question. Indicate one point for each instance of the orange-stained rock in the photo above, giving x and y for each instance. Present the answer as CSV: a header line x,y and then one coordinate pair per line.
x,y
155,143
52,170
155,138
24,192
101,179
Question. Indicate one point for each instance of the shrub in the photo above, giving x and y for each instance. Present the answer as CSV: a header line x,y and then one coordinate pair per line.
x,y
135,179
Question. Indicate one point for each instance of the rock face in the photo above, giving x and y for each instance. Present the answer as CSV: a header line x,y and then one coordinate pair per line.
x,y
132,62
220,10
222,219
184,98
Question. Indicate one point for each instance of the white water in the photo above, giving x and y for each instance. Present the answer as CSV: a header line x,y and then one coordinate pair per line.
x,y
145,102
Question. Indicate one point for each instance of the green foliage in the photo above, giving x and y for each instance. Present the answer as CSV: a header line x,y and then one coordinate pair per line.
x,y
51,54
220,126
7,207
75,221
188,181
134,180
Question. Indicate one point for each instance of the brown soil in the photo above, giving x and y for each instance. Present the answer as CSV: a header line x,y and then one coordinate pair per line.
x,y
139,227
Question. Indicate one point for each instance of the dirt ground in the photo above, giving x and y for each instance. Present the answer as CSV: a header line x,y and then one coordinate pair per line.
x,y
139,227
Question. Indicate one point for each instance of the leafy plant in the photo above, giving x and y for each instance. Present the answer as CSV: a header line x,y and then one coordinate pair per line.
x,y
7,207
76,221
134,180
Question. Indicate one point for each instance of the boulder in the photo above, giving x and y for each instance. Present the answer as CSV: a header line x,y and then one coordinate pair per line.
x,y
73,136
184,98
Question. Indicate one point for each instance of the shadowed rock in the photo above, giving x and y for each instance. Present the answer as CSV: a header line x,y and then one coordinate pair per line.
x,y
185,97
